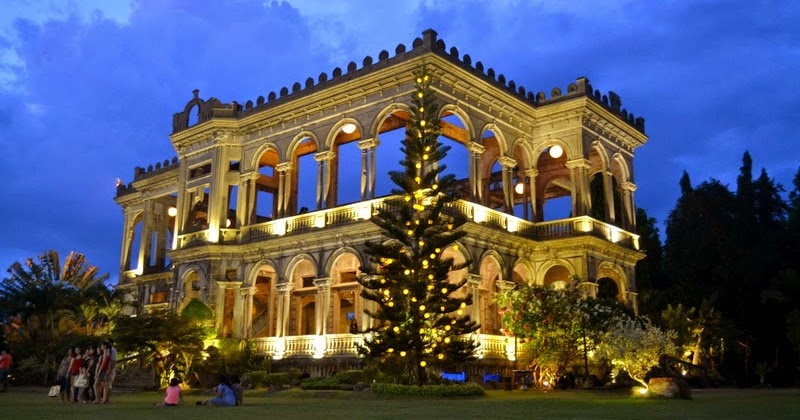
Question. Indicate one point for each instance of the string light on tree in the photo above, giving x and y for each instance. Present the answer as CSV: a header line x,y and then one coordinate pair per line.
x,y
417,231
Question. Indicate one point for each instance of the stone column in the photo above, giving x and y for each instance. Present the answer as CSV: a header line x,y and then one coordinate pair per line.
x,y
629,222
144,242
588,288
579,175
323,177
366,321
245,315
530,176
246,207
632,299
323,304
284,187
608,193
219,307
474,282
284,291
508,165
367,167
475,182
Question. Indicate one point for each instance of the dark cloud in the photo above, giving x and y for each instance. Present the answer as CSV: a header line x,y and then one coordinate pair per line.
x,y
94,97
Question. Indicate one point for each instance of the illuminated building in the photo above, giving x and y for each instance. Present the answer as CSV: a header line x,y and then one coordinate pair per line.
x,y
264,212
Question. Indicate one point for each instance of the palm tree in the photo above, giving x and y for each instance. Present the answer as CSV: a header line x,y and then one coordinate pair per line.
x,y
41,302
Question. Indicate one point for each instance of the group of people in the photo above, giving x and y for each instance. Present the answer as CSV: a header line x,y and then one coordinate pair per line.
x,y
87,376
229,393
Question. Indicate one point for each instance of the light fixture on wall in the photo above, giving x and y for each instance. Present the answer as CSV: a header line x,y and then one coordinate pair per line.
x,y
349,128
556,151
172,211
519,188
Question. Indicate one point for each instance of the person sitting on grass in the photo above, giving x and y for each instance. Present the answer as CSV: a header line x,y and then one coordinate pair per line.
x,y
238,391
172,396
225,395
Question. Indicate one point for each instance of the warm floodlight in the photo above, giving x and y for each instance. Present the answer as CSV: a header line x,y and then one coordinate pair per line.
x,y
349,128
556,152
172,212
519,188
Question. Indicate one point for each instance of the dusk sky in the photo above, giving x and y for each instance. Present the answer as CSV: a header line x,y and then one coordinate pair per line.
x,y
88,88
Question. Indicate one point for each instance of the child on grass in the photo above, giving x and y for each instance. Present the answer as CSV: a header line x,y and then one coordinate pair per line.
x,y
172,396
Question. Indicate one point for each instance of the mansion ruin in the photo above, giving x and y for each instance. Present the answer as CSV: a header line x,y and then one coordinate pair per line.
x,y
264,213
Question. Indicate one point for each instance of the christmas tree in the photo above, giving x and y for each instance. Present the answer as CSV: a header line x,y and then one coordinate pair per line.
x,y
420,321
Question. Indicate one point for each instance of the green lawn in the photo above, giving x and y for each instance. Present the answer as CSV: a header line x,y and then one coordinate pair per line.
x,y
325,405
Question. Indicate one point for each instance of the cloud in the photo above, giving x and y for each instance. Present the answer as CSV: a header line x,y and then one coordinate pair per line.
x,y
89,88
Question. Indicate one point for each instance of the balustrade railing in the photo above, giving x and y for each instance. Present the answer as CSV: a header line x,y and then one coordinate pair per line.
x,y
491,346
360,211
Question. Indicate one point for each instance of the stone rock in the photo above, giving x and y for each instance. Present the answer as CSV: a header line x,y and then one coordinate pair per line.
x,y
360,386
669,388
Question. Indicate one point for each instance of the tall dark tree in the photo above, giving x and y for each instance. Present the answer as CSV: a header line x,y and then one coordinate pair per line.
x,y
420,320
793,224
697,252
651,281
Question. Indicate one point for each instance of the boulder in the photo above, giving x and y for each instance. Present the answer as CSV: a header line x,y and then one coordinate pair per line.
x,y
669,388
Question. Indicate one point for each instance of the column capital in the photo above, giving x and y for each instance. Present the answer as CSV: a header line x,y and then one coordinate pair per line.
x,y
579,163
326,155
284,287
368,143
532,173
505,285
476,148
322,282
247,291
250,176
284,167
474,279
628,186
507,162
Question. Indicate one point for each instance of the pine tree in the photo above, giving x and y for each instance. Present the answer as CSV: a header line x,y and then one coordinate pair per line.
x,y
419,320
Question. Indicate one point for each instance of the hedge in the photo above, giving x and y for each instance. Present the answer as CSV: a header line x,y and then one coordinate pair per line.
x,y
468,389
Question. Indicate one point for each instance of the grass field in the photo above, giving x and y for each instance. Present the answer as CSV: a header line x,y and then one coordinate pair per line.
x,y
32,403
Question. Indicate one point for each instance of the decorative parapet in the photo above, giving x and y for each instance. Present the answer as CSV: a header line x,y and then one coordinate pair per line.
x,y
429,43
140,173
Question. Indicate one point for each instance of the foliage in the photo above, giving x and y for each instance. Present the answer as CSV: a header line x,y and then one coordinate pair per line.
x,y
40,305
552,324
325,383
229,356
350,376
419,320
651,279
169,342
469,389
700,333
636,346
741,246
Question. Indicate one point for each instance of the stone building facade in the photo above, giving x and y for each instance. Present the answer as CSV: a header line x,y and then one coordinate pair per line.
x,y
264,213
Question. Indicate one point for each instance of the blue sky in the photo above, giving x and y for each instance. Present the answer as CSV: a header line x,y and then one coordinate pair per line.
x,y
88,88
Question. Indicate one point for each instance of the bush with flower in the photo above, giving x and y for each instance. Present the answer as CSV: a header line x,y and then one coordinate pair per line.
x,y
559,327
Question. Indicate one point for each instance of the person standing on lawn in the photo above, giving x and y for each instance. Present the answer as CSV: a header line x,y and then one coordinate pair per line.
x,y
5,367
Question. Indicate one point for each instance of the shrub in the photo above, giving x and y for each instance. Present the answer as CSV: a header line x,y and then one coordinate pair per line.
x,y
349,377
468,389
256,377
324,384
276,379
